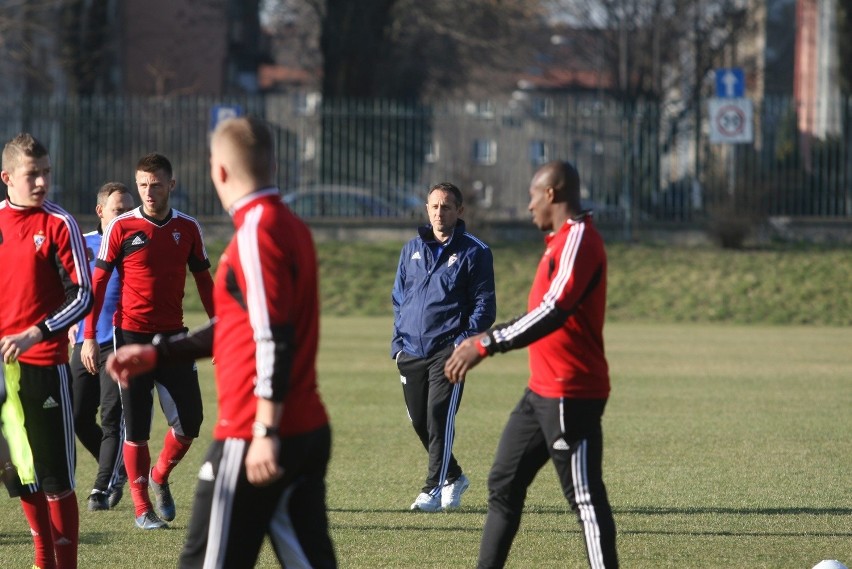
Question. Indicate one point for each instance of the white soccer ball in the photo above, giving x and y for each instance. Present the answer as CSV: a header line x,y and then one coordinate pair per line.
x,y
830,564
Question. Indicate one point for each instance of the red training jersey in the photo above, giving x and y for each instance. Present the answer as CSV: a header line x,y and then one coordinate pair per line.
x,y
564,323
44,277
151,257
267,329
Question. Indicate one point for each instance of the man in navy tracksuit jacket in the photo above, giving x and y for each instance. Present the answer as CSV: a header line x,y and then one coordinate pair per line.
x,y
443,293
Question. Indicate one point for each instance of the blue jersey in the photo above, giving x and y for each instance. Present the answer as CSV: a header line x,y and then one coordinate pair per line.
x,y
93,244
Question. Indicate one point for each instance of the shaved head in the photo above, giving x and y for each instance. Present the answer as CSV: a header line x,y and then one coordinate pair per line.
x,y
565,181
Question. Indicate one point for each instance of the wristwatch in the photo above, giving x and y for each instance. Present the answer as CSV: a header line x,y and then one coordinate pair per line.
x,y
482,346
259,430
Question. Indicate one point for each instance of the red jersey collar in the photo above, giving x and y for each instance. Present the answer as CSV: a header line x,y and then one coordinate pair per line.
x,y
585,216
255,195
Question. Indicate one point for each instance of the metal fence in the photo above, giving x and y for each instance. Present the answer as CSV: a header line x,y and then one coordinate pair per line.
x,y
642,163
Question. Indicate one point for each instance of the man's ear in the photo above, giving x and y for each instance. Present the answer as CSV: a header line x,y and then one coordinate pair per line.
x,y
99,210
221,172
550,194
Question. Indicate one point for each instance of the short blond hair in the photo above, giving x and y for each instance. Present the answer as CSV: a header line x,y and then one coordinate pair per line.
x,y
251,142
24,144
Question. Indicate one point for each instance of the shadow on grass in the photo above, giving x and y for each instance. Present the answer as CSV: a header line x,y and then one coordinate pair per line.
x,y
789,511
642,511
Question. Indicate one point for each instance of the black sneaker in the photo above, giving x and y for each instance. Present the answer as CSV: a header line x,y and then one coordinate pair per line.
x,y
117,490
115,496
98,501
164,502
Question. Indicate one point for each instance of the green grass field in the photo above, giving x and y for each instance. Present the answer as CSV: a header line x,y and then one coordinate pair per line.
x,y
726,446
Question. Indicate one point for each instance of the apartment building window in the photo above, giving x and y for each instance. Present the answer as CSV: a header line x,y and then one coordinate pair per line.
x,y
433,151
484,151
482,109
306,103
542,106
539,152
309,148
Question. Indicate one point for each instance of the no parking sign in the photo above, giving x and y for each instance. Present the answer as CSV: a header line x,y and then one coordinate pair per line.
x,y
731,120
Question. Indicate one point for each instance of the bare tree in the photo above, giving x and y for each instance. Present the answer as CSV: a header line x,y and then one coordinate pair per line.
x,y
656,47
409,49
43,57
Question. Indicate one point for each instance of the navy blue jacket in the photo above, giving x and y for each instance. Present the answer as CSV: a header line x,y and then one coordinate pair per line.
x,y
442,301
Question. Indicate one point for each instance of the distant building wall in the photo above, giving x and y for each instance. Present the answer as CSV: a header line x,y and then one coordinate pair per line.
x,y
174,47
815,83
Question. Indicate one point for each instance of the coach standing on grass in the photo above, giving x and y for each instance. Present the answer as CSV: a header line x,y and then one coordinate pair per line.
x,y
264,474
443,293
559,415
91,391
151,247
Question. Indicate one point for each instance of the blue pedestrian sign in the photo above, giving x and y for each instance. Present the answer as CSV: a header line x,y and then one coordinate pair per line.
x,y
730,83
220,113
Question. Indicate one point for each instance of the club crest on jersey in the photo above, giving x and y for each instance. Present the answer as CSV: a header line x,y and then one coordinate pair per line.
x,y
39,239
176,237
453,258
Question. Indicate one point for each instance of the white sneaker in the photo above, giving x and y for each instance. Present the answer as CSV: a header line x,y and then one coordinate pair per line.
x,y
451,493
427,503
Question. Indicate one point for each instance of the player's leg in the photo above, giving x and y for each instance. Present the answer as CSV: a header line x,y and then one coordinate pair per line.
x,y
443,404
521,453
228,513
137,400
299,525
575,441
180,400
111,475
45,394
414,376
86,389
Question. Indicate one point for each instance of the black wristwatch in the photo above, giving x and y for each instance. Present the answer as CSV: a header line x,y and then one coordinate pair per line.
x,y
259,430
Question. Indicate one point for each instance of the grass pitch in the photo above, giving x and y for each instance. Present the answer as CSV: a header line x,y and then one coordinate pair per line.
x,y
725,446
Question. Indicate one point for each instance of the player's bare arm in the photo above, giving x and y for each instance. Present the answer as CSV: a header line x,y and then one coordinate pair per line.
x,y
129,361
464,358
89,355
262,466
13,345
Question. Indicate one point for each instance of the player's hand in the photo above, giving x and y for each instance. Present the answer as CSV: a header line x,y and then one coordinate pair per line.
x,y
262,466
14,345
129,361
464,358
89,355
72,333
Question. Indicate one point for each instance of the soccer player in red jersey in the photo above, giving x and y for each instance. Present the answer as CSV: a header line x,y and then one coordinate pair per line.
x,y
264,474
151,247
46,288
559,415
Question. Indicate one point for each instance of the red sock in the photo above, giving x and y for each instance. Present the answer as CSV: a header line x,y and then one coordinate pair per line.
x,y
38,516
137,462
175,448
65,522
